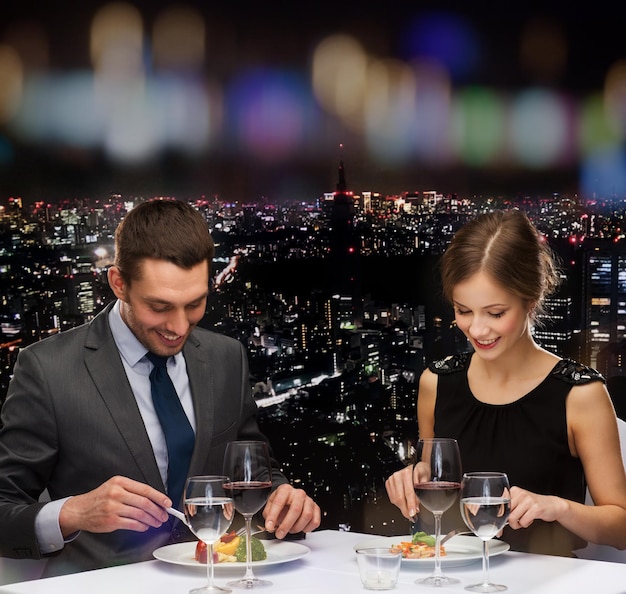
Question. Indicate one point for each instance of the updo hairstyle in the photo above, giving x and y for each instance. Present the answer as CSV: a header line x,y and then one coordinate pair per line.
x,y
506,246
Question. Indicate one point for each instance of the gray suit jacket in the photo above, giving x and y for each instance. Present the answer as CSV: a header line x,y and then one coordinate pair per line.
x,y
70,422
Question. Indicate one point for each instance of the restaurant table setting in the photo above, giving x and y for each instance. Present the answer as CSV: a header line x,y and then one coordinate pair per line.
x,y
326,562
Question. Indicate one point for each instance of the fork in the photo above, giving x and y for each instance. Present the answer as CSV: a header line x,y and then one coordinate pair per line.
x,y
452,533
181,516
242,531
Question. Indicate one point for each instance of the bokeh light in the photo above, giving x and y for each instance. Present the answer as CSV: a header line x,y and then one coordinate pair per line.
x,y
603,174
179,39
540,134
596,131
117,42
390,101
30,41
479,126
339,77
543,51
11,82
269,113
615,96
446,38
59,110
433,107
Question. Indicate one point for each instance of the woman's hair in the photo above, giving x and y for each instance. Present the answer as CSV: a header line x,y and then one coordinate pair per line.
x,y
506,246
162,230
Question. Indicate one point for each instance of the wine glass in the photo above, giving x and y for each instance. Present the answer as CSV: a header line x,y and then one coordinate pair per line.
x,y
485,507
437,485
209,511
249,467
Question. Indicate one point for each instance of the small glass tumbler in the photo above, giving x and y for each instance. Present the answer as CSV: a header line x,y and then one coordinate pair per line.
x,y
379,567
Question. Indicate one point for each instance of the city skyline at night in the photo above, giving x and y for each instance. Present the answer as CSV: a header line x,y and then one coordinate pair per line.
x,y
333,370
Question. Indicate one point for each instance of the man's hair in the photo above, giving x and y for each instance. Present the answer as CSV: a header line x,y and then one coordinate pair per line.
x,y
162,230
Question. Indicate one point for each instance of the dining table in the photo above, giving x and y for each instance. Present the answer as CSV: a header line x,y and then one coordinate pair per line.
x,y
326,563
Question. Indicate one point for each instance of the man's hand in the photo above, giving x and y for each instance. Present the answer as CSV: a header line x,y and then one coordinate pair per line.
x,y
290,510
118,504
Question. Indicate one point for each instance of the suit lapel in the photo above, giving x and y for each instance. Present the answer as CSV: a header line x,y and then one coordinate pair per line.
x,y
198,364
104,364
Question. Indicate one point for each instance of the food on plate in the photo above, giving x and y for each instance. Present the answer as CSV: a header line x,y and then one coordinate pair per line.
x,y
231,548
256,548
201,552
421,546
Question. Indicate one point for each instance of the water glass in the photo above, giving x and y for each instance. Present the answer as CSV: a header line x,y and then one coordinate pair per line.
x,y
379,567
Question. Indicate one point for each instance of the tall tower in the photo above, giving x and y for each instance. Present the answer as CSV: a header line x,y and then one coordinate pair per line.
x,y
345,273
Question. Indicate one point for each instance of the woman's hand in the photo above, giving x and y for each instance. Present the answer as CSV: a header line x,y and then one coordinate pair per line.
x,y
401,488
526,507
402,493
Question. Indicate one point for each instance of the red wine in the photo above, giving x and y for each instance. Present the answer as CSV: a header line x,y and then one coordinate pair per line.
x,y
437,496
249,497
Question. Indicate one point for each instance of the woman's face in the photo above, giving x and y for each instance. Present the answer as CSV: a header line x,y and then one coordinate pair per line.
x,y
492,318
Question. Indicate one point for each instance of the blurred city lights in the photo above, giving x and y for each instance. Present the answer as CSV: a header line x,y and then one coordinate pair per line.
x,y
145,93
390,102
539,129
447,39
479,126
603,173
615,96
270,112
11,82
543,51
179,39
595,129
433,110
339,77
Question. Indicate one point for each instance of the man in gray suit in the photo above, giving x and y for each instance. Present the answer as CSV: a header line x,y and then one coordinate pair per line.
x,y
79,419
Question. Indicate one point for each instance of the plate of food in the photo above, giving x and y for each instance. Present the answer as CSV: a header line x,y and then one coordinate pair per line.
x,y
419,548
229,552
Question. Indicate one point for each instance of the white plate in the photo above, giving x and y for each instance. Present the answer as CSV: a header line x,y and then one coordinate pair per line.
x,y
459,549
278,551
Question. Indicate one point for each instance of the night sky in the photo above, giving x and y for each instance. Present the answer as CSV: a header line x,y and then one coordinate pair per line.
x,y
271,45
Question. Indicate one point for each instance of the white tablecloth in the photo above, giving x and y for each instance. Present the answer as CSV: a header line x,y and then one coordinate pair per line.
x,y
331,568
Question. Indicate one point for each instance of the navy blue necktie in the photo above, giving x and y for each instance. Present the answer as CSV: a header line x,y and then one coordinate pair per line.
x,y
179,435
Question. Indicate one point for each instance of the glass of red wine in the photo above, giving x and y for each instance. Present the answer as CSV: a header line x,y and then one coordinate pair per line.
x,y
249,467
437,481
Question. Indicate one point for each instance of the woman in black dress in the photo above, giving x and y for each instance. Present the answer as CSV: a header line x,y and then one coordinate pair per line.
x,y
513,406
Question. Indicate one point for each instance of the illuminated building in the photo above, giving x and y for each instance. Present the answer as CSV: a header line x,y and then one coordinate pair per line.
x,y
604,294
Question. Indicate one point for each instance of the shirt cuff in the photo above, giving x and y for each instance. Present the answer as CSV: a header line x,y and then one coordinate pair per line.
x,y
47,528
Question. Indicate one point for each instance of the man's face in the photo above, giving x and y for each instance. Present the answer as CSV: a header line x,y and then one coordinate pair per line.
x,y
164,305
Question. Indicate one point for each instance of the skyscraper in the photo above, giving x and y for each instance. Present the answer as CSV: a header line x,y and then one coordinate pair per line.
x,y
344,256
604,293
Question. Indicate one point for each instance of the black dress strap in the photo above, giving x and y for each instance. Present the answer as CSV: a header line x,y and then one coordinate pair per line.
x,y
576,374
450,364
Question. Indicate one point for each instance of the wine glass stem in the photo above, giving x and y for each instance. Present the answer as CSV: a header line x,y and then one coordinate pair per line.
x,y
437,571
209,565
249,574
485,562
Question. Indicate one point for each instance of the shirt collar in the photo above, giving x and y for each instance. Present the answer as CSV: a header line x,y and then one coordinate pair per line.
x,y
131,350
